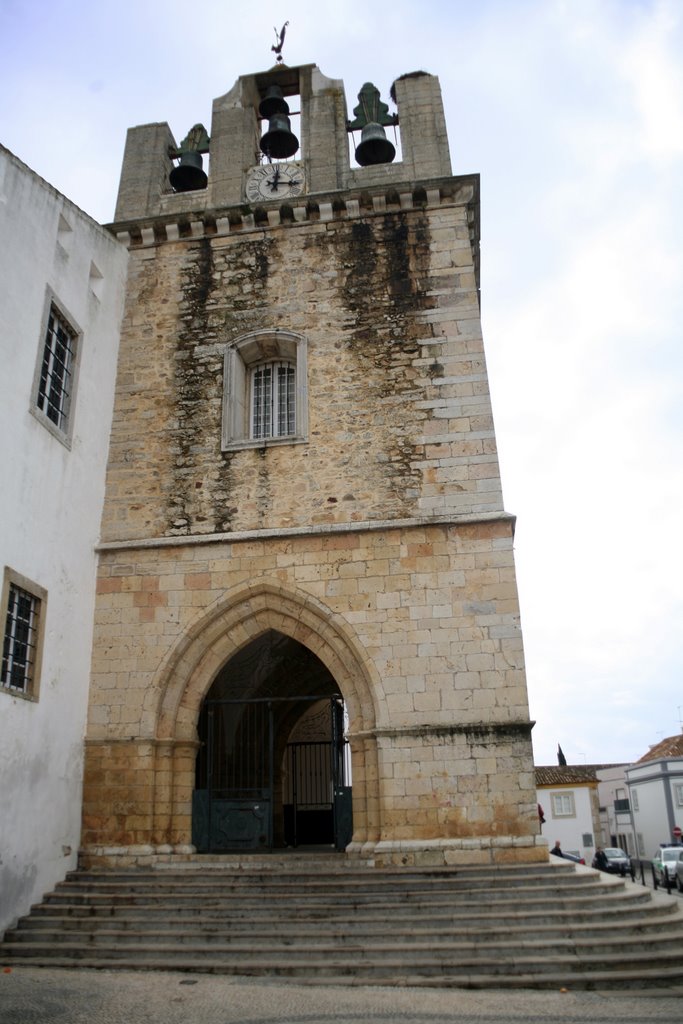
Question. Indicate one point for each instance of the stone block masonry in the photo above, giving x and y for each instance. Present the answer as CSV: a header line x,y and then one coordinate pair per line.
x,y
419,628
373,535
399,417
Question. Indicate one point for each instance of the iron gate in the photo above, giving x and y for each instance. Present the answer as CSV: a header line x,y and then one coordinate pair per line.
x,y
241,792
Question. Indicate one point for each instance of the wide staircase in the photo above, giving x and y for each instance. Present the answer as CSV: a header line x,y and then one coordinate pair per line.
x,y
321,920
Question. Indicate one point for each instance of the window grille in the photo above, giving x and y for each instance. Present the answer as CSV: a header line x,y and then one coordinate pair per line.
x,y
265,397
273,394
20,641
56,373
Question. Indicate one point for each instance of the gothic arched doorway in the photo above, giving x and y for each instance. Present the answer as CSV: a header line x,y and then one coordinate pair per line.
x,y
272,767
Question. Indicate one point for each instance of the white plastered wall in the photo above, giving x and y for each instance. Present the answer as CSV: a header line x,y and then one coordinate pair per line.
x,y
654,808
569,829
50,512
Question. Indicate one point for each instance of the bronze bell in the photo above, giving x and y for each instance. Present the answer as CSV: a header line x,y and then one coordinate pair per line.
x,y
279,141
188,175
374,147
273,102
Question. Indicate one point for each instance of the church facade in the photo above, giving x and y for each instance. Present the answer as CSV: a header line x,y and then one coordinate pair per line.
x,y
307,628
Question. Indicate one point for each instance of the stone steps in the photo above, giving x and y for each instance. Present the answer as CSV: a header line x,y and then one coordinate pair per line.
x,y
461,927
479,928
433,946
256,907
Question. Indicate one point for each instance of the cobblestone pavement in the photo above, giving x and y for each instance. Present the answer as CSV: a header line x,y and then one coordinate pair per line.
x,y
37,996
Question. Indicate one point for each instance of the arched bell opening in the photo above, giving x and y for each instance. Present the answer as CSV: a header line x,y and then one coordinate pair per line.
x,y
272,766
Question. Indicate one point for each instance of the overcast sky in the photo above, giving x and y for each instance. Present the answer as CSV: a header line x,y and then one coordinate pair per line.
x,y
572,112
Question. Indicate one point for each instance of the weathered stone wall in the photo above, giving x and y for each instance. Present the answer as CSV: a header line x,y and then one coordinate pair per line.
x,y
399,418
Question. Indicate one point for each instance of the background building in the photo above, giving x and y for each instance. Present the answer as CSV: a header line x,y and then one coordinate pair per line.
x,y
655,784
615,807
63,282
568,795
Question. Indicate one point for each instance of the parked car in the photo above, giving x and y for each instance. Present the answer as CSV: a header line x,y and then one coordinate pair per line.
x,y
679,872
664,862
573,856
619,862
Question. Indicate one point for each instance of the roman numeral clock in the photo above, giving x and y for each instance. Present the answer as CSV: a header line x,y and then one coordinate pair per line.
x,y
274,181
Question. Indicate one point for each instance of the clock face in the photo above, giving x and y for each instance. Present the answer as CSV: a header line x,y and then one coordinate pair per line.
x,y
274,181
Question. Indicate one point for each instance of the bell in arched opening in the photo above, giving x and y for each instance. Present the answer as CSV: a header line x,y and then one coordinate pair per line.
x,y
374,147
279,141
189,174
371,115
273,102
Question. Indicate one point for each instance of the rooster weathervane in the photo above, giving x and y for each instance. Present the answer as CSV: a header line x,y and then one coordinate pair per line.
x,y
280,36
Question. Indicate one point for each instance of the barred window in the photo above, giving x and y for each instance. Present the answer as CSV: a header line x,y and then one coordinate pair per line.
x,y
21,642
56,373
265,390
273,390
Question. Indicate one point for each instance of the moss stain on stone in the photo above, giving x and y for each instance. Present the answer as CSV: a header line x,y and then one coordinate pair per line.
x,y
385,283
224,296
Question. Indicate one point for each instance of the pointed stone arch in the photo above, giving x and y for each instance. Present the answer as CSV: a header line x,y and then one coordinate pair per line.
x,y
239,617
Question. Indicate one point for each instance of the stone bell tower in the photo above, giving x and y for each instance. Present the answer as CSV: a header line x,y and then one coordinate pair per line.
x,y
303,502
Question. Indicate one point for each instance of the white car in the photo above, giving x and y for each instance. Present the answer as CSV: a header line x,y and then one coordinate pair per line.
x,y
665,861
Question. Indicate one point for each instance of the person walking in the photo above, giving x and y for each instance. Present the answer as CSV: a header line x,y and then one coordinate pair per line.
x,y
600,860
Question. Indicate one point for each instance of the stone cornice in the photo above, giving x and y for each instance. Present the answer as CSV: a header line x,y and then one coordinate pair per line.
x,y
475,731
355,204
159,743
183,540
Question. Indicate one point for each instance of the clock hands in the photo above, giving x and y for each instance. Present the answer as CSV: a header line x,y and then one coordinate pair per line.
x,y
275,181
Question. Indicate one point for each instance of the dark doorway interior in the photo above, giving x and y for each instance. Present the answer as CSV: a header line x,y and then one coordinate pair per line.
x,y
272,768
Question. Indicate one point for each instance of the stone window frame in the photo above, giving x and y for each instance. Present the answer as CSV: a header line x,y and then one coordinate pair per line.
x,y
558,799
634,800
245,353
63,428
678,792
12,583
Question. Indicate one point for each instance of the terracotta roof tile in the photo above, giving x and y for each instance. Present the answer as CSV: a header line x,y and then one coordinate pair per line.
x,y
563,775
670,747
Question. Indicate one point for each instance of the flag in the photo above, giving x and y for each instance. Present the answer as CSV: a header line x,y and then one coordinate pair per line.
x,y
561,759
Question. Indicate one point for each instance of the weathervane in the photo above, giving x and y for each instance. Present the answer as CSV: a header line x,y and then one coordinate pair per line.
x,y
280,36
